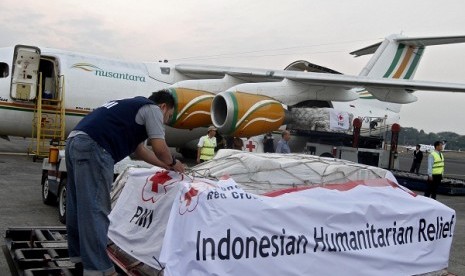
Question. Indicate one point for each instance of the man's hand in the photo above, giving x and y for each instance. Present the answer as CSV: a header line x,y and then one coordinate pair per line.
x,y
178,167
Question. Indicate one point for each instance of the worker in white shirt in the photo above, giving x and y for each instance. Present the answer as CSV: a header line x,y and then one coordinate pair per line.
x,y
206,146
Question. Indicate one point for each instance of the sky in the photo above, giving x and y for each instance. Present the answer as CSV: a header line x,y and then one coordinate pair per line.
x,y
260,33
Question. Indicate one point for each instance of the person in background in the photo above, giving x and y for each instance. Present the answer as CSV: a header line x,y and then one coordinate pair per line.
x,y
435,170
268,143
283,146
238,144
102,138
220,142
417,158
229,142
206,146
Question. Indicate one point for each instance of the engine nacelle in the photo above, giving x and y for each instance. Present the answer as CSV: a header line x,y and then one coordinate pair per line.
x,y
191,108
245,115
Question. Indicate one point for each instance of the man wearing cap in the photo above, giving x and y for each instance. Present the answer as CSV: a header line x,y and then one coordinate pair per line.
x,y
435,170
206,146
102,138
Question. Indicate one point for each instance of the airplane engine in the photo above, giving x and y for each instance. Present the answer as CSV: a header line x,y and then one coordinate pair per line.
x,y
191,108
245,115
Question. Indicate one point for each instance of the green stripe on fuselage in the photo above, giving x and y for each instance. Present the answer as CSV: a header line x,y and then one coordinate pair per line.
x,y
365,95
69,113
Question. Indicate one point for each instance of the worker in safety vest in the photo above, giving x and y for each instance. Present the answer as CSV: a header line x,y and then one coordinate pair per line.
x,y
206,146
435,170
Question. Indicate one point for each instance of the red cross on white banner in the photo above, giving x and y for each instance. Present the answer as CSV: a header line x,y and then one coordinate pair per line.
x,y
250,146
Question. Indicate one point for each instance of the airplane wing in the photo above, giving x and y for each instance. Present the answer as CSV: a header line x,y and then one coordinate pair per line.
x,y
389,90
247,101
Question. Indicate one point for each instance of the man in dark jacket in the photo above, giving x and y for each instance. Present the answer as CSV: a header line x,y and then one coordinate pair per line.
x,y
268,143
102,138
417,157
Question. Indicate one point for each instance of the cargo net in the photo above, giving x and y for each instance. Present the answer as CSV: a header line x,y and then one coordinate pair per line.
x,y
259,173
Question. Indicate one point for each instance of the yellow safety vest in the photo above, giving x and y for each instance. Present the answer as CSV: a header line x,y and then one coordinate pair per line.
x,y
208,150
438,165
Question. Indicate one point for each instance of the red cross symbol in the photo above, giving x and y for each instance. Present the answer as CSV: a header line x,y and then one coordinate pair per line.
x,y
250,146
189,195
158,179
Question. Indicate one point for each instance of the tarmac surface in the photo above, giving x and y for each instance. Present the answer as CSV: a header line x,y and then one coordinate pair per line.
x,y
21,203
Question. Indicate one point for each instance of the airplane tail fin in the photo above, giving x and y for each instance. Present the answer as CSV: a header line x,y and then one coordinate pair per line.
x,y
398,56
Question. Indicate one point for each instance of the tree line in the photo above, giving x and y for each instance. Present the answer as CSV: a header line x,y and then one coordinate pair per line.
x,y
412,136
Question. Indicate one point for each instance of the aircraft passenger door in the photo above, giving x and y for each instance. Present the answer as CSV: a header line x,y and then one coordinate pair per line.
x,y
24,78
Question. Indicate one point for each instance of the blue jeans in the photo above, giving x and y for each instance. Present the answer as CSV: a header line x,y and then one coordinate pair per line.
x,y
88,203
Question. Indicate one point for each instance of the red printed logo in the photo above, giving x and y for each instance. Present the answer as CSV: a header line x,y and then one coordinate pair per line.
x,y
158,185
191,194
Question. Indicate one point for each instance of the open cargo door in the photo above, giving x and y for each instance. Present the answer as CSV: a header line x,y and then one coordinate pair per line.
x,y
24,79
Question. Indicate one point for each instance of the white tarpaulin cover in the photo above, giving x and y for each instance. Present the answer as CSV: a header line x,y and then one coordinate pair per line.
x,y
139,217
368,228
371,227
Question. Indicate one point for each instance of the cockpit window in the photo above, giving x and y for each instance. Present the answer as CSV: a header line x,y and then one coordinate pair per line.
x,y
4,70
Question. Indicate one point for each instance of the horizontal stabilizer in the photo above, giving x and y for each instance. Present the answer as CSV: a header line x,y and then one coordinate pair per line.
x,y
366,51
430,41
419,41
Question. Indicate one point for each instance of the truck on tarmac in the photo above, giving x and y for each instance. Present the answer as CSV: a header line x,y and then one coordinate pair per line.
x,y
54,178
368,150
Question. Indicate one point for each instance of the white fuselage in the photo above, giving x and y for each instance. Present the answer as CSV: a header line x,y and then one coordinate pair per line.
x,y
90,81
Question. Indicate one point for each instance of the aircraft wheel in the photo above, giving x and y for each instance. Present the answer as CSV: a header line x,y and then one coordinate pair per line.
x,y
62,201
47,197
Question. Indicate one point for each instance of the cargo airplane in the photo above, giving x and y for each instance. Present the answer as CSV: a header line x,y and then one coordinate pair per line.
x,y
241,102
426,148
